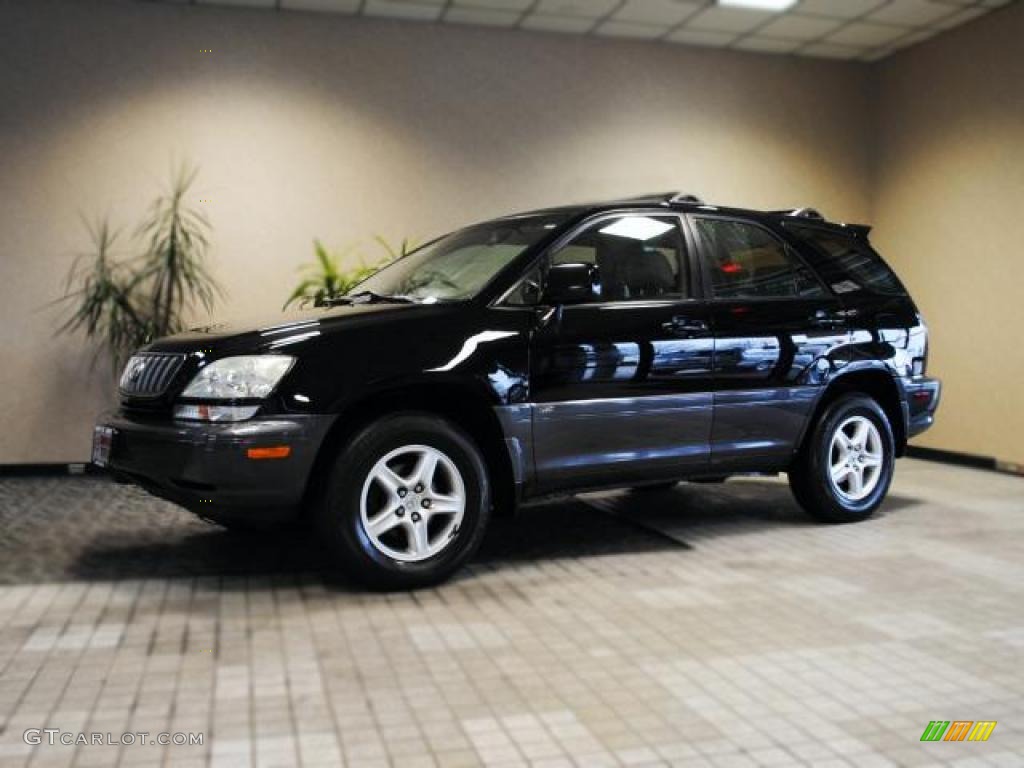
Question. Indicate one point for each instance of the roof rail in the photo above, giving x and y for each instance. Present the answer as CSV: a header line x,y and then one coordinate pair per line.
x,y
682,197
660,196
805,213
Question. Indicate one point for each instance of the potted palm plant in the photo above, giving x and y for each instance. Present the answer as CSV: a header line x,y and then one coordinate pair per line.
x,y
121,303
324,278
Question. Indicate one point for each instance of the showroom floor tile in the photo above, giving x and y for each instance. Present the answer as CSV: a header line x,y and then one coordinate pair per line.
x,y
702,626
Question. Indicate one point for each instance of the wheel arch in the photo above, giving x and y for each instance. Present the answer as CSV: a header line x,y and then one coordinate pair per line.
x,y
462,404
878,384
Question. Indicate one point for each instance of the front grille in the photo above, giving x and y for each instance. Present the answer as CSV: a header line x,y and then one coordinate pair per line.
x,y
149,374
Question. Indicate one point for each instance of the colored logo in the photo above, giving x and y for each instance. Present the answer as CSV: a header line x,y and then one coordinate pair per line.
x,y
958,730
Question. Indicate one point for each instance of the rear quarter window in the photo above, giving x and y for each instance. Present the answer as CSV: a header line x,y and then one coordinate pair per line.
x,y
848,264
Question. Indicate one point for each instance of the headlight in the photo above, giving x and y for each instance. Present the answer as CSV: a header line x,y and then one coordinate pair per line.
x,y
239,378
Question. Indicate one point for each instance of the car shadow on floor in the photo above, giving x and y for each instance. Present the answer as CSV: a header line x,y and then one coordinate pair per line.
x,y
690,512
58,529
559,529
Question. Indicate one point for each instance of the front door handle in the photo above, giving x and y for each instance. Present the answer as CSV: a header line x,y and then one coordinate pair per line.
x,y
685,326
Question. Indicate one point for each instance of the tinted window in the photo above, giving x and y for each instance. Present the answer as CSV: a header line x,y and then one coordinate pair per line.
x,y
637,257
459,265
747,261
848,264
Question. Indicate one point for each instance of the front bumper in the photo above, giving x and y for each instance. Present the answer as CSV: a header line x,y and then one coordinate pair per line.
x,y
922,398
206,468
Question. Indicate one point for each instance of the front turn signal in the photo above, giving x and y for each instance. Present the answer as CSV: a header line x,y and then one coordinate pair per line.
x,y
271,452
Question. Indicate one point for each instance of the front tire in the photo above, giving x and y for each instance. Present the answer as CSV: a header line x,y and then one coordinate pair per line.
x,y
407,502
844,470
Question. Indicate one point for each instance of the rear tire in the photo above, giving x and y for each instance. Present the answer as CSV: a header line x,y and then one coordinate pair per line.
x,y
407,502
844,469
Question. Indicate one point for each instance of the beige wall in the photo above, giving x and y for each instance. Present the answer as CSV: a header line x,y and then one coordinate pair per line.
x,y
339,128
948,209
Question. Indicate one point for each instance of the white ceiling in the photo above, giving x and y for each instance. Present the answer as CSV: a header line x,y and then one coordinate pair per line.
x,y
866,30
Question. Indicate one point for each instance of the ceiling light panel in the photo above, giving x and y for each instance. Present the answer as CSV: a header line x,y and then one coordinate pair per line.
x,y
775,6
496,5
636,228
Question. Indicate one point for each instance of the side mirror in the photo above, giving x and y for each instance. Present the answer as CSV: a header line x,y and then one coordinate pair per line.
x,y
573,283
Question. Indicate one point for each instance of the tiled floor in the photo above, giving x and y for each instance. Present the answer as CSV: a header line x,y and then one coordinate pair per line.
x,y
704,626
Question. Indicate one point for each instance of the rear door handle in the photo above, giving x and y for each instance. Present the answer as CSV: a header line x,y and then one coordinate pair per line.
x,y
684,326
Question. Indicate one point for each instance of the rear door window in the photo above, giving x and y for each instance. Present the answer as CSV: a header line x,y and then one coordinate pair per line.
x,y
746,261
846,263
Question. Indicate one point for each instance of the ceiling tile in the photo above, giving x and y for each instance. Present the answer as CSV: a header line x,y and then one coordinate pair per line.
x,y
483,16
876,55
960,17
242,3
912,13
588,9
402,9
496,5
628,29
794,27
728,19
830,51
913,38
689,36
668,12
843,9
543,22
863,33
329,6
767,45
867,30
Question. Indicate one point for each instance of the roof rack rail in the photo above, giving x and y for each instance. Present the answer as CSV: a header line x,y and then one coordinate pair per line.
x,y
683,197
662,196
805,213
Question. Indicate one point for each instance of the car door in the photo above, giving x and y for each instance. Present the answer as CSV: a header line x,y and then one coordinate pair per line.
x,y
621,385
774,325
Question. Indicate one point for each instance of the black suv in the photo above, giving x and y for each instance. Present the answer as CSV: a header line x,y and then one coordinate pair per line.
x,y
632,343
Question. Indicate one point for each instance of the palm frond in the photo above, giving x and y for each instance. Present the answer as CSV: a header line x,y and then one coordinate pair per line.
x,y
125,302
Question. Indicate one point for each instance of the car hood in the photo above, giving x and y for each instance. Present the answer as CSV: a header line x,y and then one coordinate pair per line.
x,y
285,329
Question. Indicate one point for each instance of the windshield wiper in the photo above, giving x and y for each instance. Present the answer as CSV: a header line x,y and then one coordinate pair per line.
x,y
368,297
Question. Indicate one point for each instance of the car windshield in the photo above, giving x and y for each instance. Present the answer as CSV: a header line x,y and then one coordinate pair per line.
x,y
457,266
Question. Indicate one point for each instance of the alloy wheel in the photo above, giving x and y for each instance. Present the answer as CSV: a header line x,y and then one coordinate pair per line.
x,y
855,458
412,503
